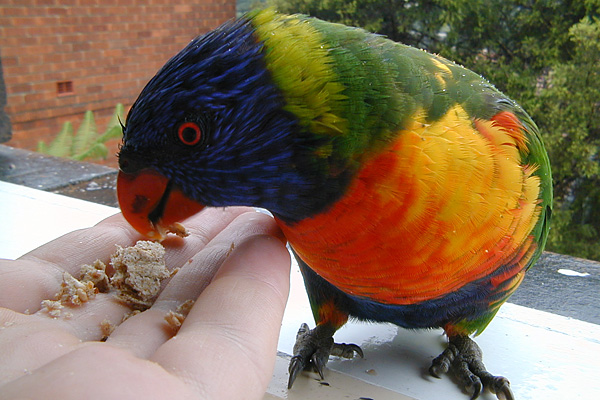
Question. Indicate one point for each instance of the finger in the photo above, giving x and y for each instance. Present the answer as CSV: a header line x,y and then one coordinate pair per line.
x,y
203,227
97,371
145,332
198,272
38,275
24,283
30,341
234,325
22,338
73,249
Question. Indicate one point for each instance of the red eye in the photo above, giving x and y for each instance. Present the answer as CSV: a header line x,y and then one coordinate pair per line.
x,y
189,133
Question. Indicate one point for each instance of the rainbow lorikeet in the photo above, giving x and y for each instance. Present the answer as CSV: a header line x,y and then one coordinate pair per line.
x,y
409,188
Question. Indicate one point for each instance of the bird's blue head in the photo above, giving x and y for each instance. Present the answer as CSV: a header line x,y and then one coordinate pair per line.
x,y
210,129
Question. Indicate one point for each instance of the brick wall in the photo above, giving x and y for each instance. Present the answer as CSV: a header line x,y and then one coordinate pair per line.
x,y
107,49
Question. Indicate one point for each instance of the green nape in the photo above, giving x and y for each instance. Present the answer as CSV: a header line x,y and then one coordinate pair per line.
x,y
334,79
357,88
301,68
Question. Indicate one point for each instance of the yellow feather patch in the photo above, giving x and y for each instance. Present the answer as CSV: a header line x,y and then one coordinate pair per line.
x,y
301,67
443,71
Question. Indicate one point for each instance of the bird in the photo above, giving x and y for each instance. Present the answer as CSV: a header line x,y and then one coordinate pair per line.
x,y
410,190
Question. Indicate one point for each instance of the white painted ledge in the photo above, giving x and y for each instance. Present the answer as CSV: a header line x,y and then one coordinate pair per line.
x,y
545,356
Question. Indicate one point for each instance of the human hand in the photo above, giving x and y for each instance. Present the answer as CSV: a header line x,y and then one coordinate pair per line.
x,y
225,348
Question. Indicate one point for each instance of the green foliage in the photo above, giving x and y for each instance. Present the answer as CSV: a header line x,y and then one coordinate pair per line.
x,y
543,53
571,105
243,6
61,146
87,143
412,22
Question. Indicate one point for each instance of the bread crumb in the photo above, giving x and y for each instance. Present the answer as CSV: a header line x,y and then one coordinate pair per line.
x,y
130,314
136,281
96,273
107,328
52,307
139,271
74,292
178,229
186,307
231,248
175,318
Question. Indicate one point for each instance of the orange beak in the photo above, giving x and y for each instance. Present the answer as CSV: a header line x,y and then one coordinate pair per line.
x,y
152,204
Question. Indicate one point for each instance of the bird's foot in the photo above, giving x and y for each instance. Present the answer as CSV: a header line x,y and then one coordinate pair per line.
x,y
464,357
313,348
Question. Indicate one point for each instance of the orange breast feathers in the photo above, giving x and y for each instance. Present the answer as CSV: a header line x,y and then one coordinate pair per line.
x,y
445,204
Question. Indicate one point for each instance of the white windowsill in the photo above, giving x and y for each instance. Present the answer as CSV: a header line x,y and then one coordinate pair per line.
x,y
544,355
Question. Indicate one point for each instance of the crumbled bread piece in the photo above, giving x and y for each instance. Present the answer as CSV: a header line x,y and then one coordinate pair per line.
x,y
52,307
136,281
130,314
231,248
107,328
178,229
139,271
175,318
96,273
175,228
74,292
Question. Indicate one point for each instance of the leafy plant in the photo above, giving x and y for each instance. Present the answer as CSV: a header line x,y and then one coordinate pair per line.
x,y
87,143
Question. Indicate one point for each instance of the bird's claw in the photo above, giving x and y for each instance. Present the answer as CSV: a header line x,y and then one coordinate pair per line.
x,y
464,357
313,348
501,386
346,350
296,365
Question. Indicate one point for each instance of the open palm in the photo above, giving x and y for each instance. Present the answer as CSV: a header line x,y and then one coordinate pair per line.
x,y
224,349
